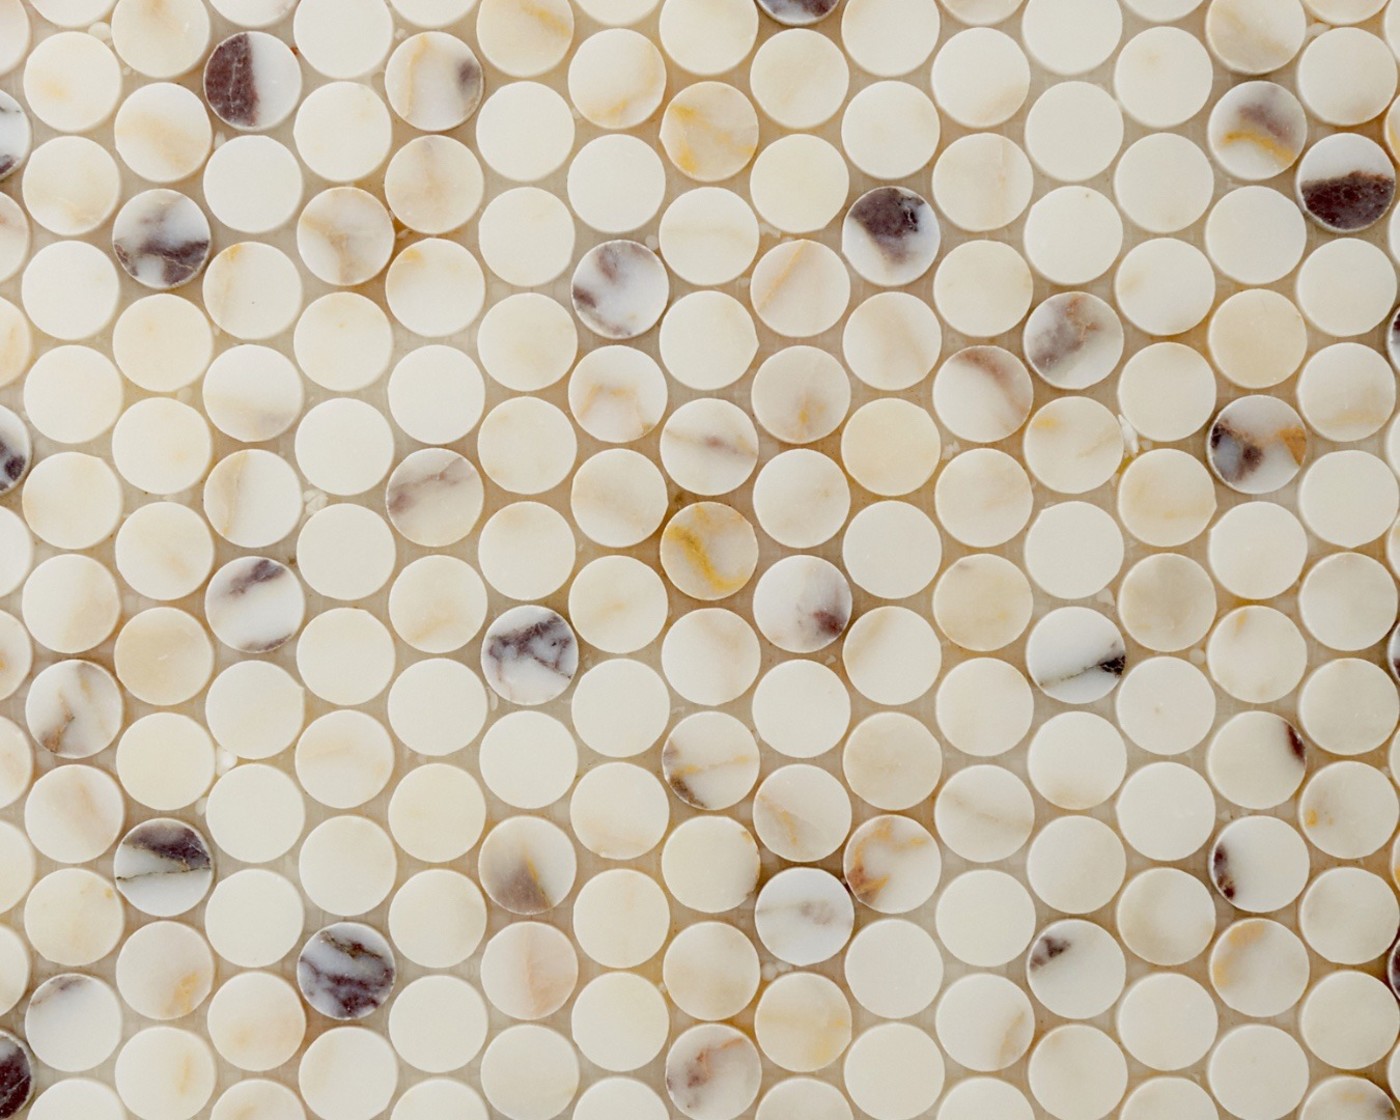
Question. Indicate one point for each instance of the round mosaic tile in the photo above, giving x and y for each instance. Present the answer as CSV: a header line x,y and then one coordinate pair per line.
x,y
776,558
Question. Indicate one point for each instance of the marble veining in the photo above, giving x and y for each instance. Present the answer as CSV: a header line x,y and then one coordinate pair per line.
x,y
712,1070
799,13
254,604
890,236
619,289
163,867
16,450
74,709
527,866
891,864
706,558
1258,129
14,135
1073,340
1346,183
1076,654
529,655
1256,444
802,604
16,1075
434,81
161,238
710,760
434,497
346,970
804,916
252,81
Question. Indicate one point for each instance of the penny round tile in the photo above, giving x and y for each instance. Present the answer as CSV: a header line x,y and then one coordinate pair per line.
x,y
673,476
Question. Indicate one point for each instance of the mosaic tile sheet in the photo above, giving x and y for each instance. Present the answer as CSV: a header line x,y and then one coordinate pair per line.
x,y
643,559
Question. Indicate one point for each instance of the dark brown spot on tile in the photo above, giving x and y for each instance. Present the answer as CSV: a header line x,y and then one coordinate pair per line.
x,y
1220,872
1349,202
1045,950
229,86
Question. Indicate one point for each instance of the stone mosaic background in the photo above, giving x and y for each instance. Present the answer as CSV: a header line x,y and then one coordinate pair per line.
x,y
631,559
